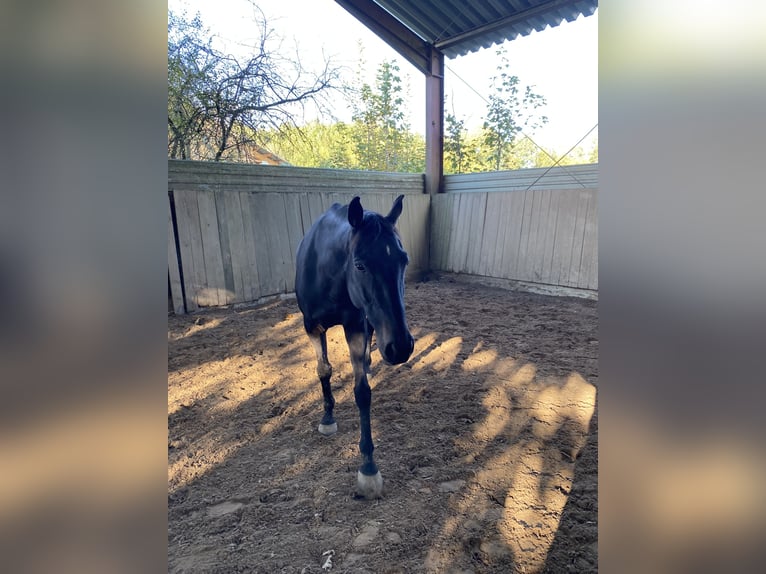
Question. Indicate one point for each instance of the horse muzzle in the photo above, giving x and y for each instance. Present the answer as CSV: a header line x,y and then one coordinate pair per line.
x,y
398,351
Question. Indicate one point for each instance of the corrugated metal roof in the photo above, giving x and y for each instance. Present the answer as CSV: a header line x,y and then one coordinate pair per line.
x,y
457,28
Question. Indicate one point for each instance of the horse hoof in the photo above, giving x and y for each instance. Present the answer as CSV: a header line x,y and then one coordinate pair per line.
x,y
328,430
369,486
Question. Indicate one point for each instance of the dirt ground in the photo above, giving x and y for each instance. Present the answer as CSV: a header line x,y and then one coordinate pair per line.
x,y
486,439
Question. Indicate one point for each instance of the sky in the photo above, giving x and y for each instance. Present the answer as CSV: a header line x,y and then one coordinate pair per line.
x,y
560,63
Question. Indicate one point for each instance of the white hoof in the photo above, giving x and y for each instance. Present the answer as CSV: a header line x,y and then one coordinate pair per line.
x,y
369,487
328,430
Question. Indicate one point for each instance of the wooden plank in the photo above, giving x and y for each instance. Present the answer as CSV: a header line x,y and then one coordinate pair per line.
x,y
215,290
437,239
446,227
273,225
589,262
513,209
268,280
498,213
286,179
565,228
306,220
457,254
455,240
568,177
232,209
575,259
536,251
294,234
469,203
466,215
548,237
316,206
377,202
190,243
491,236
174,272
250,279
475,232
407,228
229,294
422,225
525,259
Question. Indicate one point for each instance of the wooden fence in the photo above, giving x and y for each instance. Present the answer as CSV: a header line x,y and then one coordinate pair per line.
x,y
537,236
233,230
559,177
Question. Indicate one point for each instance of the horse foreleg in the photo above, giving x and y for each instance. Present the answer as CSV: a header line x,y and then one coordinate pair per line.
x,y
368,346
318,339
369,481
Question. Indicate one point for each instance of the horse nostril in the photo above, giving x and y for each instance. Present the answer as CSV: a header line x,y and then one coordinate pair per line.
x,y
390,351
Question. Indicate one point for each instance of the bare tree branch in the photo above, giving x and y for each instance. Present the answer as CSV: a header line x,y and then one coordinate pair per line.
x,y
218,104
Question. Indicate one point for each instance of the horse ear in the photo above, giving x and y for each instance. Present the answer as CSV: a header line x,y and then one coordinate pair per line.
x,y
396,210
355,212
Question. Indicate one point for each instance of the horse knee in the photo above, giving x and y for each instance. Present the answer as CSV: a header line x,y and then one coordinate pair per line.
x,y
324,370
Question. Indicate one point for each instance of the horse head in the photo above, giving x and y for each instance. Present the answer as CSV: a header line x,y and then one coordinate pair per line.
x,y
375,277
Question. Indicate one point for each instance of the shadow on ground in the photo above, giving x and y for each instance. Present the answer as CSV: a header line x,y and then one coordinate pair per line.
x,y
486,439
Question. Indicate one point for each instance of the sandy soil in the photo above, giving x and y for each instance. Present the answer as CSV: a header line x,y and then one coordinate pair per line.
x,y
486,439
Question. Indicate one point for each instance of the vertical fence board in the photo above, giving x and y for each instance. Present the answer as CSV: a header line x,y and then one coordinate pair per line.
x,y
528,255
438,240
589,266
294,233
315,206
476,230
422,230
174,272
190,243
237,247
565,232
306,220
224,231
458,240
572,277
211,247
547,236
491,233
515,207
267,271
250,277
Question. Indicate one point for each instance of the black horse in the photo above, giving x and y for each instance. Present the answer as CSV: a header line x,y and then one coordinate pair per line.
x,y
350,272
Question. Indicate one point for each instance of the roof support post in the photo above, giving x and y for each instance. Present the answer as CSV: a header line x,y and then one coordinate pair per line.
x,y
435,122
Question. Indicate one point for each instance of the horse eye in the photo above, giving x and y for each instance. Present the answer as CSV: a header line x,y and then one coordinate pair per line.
x,y
359,266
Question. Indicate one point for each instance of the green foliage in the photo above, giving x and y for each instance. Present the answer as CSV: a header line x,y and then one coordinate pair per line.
x,y
314,145
220,107
380,132
378,139
508,113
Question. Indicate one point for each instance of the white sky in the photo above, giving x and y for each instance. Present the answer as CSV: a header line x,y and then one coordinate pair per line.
x,y
561,63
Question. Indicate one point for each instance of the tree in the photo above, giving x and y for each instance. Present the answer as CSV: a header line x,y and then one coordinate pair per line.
x,y
454,143
218,104
508,112
381,133
314,145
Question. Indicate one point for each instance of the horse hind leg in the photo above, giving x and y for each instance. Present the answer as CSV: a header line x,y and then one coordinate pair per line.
x,y
318,339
